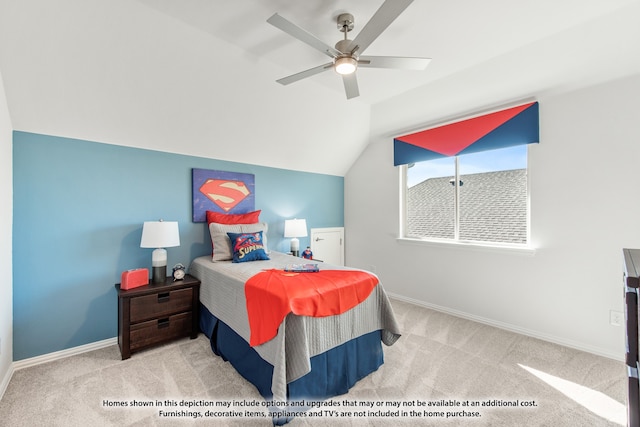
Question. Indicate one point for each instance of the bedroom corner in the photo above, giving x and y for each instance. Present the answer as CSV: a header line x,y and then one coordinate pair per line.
x,y
6,215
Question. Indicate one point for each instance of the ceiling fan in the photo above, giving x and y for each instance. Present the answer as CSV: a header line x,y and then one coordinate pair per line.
x,y
347,54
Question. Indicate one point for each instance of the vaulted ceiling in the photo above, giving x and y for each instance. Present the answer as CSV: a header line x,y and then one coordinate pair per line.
x,y
198,77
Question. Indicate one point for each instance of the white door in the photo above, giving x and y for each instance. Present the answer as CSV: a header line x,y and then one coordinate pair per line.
x,y
327,245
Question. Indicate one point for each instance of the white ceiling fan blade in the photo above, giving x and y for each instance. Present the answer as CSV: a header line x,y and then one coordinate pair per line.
x,y
351,85
304,74
302,35
383,17
398,62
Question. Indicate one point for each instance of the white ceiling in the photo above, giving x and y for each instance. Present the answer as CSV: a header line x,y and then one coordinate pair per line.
x,y
198,76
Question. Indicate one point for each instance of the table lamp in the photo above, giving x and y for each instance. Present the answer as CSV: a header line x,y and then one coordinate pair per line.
x,y
295,228
159,235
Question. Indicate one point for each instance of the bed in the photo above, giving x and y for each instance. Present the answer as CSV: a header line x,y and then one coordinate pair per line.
x,y
310,358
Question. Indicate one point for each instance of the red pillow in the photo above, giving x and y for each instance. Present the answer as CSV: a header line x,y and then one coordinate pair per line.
x,y
243,218
221,218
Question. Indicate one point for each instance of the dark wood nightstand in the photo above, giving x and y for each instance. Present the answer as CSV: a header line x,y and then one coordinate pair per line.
x,y
157,313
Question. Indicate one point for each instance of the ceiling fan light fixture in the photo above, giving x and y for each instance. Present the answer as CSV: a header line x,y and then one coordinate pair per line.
x,y
345,65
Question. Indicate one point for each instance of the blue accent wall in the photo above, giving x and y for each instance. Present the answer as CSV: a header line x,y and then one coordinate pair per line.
x,y
78,213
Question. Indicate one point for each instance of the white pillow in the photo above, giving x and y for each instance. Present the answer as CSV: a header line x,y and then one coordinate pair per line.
x,y
222,250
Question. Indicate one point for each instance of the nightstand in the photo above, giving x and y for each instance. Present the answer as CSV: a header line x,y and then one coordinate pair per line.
x,y
157,313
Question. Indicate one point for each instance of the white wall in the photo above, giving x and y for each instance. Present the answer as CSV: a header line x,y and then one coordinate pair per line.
x,y
585,209
156,82
6,215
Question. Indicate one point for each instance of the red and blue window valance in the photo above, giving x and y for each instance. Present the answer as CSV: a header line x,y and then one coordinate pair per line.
x,y
505,128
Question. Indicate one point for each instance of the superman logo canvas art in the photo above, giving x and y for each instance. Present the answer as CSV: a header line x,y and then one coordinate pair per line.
x,y
221,191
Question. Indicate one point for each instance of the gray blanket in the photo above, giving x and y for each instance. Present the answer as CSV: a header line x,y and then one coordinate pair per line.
x,y
299,337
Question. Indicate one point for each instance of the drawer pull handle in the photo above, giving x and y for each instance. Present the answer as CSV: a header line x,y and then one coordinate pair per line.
x,y
163,323
164,297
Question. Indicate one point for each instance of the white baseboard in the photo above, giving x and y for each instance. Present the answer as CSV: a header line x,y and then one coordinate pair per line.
x,y
33,361
512,328
49,357
5,381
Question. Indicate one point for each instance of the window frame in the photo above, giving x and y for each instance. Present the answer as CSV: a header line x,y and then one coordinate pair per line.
x,y
522,248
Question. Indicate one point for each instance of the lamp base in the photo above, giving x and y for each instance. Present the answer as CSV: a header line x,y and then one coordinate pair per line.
x,y
159,274
295,247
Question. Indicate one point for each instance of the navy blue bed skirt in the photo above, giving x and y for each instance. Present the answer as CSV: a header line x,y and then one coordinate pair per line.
x,y
333,372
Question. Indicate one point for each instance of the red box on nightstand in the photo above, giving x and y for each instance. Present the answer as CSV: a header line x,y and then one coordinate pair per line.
x,y
134,278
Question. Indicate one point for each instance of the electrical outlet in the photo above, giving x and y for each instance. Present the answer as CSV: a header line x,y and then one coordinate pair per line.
x,y
616,317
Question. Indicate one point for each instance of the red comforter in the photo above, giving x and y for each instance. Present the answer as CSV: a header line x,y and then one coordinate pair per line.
x,y
272,294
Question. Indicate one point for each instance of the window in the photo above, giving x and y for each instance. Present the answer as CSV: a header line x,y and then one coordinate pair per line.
x,y
479,197
466,180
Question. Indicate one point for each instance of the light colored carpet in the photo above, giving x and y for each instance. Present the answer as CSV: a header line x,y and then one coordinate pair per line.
x,y
440,358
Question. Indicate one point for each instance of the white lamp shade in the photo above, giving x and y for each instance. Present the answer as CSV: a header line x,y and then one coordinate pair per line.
x,y
295,228
160,234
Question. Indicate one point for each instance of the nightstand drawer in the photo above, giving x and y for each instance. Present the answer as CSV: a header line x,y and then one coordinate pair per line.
x,y
154,331
160,304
